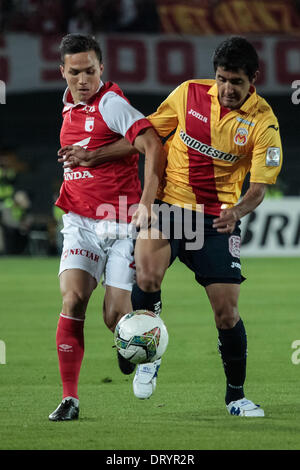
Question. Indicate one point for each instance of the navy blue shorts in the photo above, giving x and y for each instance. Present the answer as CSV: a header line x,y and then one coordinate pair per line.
x,y
218,258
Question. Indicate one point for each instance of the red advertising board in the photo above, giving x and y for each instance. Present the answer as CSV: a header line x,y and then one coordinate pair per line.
x,y
140,63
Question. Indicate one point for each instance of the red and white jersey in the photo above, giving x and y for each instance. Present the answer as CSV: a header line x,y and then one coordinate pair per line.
x,y
96,192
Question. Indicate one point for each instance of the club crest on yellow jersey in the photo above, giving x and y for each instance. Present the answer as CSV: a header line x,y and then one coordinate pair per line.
x,y
241,136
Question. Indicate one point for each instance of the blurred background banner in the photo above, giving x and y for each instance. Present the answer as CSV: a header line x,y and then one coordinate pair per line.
x,y
149,48
209,17
143,63
273,229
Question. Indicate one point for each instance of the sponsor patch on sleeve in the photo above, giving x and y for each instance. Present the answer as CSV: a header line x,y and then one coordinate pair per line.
x,y
273,156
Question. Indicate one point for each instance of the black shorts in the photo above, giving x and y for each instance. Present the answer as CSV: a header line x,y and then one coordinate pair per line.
x,y
214,257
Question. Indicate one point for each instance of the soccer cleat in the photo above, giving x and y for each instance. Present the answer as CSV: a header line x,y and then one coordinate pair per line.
x,y
244,407
144,382
66,411
126,366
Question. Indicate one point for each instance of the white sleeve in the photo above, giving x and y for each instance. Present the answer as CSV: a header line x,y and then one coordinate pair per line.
x,y
117,113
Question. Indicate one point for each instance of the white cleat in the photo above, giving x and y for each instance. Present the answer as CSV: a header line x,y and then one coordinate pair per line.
x,y
244,407
144,382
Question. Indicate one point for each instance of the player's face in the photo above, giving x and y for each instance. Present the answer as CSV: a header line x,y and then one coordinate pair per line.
x,y
233,87
82,72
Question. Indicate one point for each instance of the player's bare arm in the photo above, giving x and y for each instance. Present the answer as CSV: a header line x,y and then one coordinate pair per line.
x,y
149,143
73,155
228,217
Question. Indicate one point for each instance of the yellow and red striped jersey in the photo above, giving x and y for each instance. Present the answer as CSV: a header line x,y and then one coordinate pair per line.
x,y
211,149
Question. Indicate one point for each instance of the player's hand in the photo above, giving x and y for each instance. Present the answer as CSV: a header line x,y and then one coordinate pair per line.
x,y
142,217
72,156
227,220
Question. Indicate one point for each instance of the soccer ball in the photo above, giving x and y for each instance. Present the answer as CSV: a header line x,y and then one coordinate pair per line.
x,y
141,336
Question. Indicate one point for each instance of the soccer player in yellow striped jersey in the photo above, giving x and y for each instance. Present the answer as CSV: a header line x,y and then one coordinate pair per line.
x,y
219,138
216,132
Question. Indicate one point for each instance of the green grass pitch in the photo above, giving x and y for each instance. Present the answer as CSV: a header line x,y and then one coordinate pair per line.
x,y
187,410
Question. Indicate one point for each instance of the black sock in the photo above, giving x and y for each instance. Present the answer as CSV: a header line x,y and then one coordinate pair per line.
x,y
146,300
233,350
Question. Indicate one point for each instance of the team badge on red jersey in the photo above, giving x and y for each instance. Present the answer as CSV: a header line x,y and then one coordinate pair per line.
x,y
89,124
241,136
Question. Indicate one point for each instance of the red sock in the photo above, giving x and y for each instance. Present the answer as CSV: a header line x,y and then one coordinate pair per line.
x,y
70,349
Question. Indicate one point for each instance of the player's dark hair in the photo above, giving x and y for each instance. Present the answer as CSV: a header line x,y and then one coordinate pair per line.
x,y
75,43
236,53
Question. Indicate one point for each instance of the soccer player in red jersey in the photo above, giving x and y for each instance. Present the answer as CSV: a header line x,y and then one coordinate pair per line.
x,y
216,131
100,204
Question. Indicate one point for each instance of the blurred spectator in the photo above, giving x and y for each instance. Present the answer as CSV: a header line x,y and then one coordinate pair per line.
x,y
106,16
47,18
57,226
80,23
128,13
86,16
20,15
6,14
10,167
139,16
16,222
15,219
131,16
67,11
